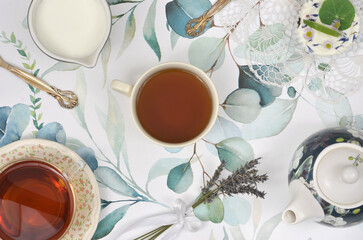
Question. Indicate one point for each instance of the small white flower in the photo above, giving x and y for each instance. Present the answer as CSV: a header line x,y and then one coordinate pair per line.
x,y
335,221
341,210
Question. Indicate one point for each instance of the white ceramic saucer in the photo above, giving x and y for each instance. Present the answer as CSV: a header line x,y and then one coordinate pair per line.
x,y
84,183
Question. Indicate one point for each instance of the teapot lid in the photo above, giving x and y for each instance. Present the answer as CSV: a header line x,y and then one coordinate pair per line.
x,y
338,175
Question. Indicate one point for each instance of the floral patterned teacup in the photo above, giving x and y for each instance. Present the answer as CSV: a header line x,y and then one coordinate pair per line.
x,y
49,172
326,177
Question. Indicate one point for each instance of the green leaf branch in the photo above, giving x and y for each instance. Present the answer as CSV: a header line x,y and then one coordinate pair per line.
x,y
28,64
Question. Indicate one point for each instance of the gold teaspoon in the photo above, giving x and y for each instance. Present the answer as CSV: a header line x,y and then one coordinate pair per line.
x,y
66,99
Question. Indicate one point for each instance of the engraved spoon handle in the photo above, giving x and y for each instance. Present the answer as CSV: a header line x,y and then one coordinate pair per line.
x,y
66,99
196,26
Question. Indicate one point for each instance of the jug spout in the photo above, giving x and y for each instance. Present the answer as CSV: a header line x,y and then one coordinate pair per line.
x,y
302,206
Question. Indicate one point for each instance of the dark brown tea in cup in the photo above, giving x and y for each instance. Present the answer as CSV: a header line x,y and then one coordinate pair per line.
x,y
174,105
36,202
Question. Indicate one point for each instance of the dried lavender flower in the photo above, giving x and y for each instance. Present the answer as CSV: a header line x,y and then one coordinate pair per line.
x,y
243,181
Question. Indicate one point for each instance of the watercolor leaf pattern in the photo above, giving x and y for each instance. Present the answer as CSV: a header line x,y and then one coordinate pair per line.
x,y
180,12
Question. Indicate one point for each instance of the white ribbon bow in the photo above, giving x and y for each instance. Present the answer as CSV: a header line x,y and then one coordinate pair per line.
x,y
180,218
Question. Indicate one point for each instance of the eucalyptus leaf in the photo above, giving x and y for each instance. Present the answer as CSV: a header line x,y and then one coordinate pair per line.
x,y
268,227
358,122
115,127
61,67
242,105
180,178
54,132
236,152
331,112
221,129
13,123
180,12
173,38
88,155
271,121
207,53
4,114
108,223
342,10
149,30
212,211
247,79
113,181
237,210
163,167
74,143
291,91
130,29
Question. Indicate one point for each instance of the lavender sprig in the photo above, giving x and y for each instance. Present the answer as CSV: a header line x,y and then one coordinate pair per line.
x,y
243,181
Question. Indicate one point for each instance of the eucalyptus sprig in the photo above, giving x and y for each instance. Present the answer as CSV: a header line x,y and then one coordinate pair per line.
x,y
243,181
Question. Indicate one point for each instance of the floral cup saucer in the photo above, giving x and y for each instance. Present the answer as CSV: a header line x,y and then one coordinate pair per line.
x,y
87,209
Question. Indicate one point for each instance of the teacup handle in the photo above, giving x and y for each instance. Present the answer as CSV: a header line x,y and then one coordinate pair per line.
x,y
122,87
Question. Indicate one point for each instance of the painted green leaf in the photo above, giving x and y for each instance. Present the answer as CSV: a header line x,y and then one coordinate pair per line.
x,y
54,132
113,181
61,67
81,90
106,225
105,57
331,112
291,91
237,233
88,155
180,12
74,143
149,30
225,234
207,52
271,121
130,29
163,167
242,105
180,178
358,122
235,151
173,38
256,213
342,10
115,127
221,129
305,169
237,210
247,79
115,2
213,211
13,38
21,52
13,122
268,227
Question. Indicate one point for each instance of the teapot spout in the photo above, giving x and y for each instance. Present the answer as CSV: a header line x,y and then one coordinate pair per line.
x,y
302,206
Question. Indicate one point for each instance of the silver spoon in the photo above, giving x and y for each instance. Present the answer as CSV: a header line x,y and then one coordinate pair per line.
x,y
66,99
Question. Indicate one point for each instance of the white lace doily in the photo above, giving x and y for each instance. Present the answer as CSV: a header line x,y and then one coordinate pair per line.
x,y
272,48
